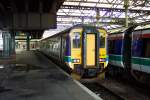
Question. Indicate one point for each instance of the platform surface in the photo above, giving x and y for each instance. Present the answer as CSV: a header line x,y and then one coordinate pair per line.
x,y
34,77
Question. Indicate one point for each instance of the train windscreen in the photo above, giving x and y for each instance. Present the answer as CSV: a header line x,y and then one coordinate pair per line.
x,y
102,41
76,40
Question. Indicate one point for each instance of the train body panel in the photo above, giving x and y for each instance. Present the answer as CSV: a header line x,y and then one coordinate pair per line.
x,y
79,48
139,52
141,64
116,49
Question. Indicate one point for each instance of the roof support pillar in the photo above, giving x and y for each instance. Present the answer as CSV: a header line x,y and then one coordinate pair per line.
x,y
28,41
82,18
12,43
126,5
97,16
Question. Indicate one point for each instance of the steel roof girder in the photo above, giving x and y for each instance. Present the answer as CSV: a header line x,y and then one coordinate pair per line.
x,y
102,8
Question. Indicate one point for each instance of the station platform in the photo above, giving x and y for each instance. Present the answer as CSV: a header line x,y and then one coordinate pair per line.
x,y
33,77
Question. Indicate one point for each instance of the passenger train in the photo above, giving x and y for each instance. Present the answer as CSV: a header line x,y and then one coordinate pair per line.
x,y
83,48
130,50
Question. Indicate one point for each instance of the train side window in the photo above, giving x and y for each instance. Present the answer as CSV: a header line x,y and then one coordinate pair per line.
x,y
64,46
111,46
76,40
146,48
137,46
64,43
118,46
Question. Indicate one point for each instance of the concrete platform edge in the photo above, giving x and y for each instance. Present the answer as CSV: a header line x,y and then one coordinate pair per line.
x,y
82,86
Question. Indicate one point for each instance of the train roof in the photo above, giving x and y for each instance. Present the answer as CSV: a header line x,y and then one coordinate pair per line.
x,y
138,28
142,29
75,26
119,32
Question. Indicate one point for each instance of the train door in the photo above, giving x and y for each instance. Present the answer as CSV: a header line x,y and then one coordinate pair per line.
x,y
90,47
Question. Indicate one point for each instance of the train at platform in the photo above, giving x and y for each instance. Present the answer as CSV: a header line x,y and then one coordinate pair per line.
x,y
129,51
82,48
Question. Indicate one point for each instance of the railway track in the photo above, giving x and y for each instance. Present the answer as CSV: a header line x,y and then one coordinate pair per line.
x,y
115,90
101,91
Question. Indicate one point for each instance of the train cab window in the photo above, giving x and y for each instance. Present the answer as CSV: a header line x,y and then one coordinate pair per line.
x,y
76,38
102,41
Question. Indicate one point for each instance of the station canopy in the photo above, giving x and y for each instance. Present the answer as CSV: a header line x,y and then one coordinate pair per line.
x,y
109,14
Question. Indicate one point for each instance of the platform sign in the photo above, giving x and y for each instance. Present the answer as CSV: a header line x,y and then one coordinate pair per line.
x,y
1,41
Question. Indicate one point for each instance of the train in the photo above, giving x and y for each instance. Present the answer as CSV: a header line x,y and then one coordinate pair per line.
x,y
82,48
129,51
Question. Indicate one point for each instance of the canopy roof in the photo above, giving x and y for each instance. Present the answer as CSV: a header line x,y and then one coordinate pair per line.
x,y
110,14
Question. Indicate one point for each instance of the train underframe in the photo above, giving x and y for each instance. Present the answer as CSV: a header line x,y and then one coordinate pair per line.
x,y
129,74
88,72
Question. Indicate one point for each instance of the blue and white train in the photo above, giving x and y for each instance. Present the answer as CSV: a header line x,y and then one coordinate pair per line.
x,y
130,50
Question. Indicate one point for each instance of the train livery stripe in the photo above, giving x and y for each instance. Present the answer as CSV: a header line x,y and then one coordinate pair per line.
x,y
67,59
141,61
146,36
115,57
107,58
135,60
116,63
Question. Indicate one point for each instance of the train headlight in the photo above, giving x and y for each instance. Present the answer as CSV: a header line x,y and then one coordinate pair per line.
x,y
78,60
102,59
75,60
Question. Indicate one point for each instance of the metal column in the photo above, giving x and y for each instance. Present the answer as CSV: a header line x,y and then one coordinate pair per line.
x,y
97,17
6,44
126,5
28,41
13,43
